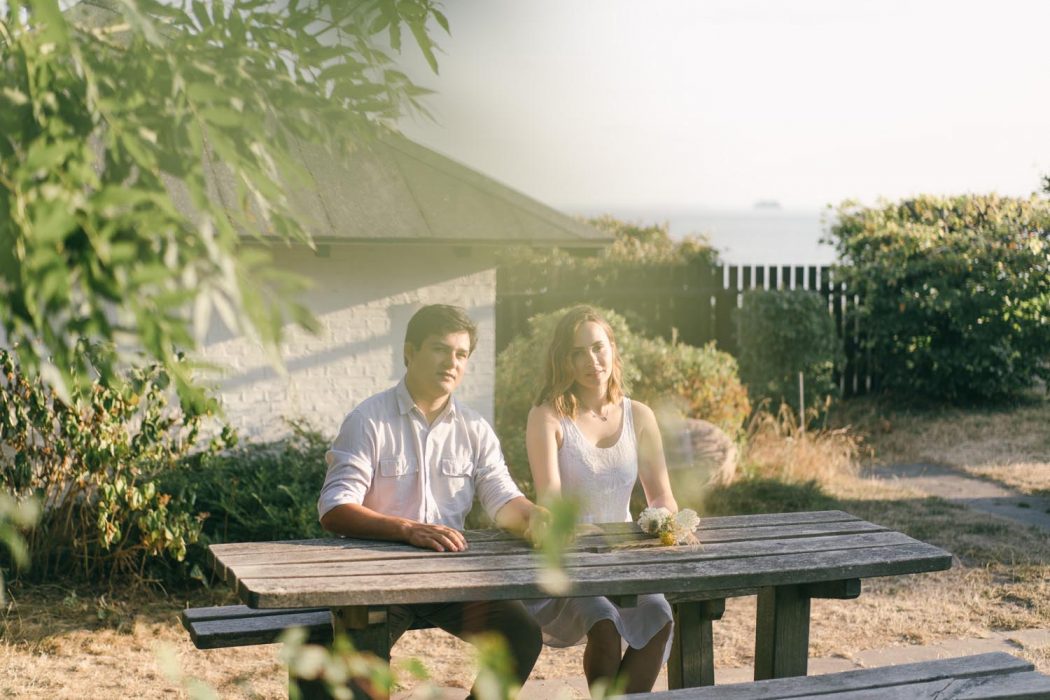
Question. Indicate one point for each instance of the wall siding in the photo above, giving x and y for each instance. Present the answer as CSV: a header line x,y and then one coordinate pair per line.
x,y
363,297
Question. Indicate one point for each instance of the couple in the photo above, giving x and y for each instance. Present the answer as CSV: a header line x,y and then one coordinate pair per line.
x,y
408,461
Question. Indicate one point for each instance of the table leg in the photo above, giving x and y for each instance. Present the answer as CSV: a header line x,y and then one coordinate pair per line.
x,y
692,661
368,631
782,632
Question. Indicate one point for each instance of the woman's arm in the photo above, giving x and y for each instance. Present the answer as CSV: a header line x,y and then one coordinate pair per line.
x,y
541,441
652,467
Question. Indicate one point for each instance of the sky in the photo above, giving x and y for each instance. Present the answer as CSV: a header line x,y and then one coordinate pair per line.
x,y
700,104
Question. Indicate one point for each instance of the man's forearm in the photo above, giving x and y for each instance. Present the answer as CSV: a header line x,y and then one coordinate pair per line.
x,y
354,520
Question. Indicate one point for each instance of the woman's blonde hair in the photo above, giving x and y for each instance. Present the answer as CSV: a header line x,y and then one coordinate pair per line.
x,y
558,374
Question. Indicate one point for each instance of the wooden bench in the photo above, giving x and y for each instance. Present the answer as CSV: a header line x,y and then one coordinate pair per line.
x,y
982,677
224,626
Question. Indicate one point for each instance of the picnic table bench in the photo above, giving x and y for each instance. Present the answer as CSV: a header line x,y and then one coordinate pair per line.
x,y
785,559
995,676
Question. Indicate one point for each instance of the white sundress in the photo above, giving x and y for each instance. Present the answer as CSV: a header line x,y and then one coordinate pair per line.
x,y
602,478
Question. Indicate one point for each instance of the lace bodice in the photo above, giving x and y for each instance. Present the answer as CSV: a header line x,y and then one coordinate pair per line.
x,y
601,477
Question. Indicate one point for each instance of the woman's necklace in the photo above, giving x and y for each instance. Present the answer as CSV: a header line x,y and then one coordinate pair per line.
x,y
600,415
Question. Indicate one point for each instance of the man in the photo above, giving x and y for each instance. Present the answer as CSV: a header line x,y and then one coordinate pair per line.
x,y
406,465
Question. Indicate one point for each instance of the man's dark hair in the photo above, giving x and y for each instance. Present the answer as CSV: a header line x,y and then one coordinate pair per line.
x,y
439,319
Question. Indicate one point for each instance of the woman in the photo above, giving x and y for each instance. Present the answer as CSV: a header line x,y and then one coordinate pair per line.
x,y
588,441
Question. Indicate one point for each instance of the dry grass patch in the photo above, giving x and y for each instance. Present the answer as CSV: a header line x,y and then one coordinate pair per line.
x,y
778,448
56,644
1008,445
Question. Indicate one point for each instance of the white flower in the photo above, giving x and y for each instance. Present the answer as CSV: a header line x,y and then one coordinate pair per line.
x,y
652,520
686,520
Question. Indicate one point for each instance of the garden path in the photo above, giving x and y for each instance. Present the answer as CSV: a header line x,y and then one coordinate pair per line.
x,y
983,494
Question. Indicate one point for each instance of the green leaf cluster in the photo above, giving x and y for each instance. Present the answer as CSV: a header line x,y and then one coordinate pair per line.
x,y
695,382
256,491
955,293
781,333
142,141
92,466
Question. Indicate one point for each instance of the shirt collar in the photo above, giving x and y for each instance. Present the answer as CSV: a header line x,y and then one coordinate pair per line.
x,y
405,404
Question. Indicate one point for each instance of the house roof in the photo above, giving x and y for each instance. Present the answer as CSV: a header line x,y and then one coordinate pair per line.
x,y
392,189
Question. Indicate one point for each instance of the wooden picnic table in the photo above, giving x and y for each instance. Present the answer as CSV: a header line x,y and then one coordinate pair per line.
x,y
786,559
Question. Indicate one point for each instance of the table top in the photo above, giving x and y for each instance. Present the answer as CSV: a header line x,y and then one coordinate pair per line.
x,y
736,554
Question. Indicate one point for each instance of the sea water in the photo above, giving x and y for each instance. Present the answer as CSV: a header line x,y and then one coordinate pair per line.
x,y
759,236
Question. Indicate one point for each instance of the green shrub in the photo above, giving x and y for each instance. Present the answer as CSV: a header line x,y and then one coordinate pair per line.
x,y
699,382
92,466
955,293
781,333
258,491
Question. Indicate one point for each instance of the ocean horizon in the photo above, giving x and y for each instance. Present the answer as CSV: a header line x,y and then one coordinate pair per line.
x,y
757,236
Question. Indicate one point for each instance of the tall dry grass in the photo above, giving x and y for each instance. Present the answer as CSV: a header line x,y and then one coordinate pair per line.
x,y
779,446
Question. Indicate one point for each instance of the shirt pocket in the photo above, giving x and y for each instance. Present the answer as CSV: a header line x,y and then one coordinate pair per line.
x,y
396,467
457,467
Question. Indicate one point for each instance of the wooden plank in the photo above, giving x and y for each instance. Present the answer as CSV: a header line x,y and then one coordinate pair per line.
x,y
1012,686
670,577
247,631
694,596
476,536
781,633
988,665
641,559
725,304
692,661
707,536
230,612
225,555
836,590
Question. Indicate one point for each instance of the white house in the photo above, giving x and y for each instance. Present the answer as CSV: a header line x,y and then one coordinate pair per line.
x,y
397,226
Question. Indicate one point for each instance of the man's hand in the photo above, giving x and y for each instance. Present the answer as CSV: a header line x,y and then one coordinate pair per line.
x,y
440,538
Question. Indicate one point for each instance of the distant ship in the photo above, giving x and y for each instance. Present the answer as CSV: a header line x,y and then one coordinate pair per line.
x,y
767,204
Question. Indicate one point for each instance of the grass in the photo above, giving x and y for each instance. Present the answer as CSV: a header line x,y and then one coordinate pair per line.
x,y
58,643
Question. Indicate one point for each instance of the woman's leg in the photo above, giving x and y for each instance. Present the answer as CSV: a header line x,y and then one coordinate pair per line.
x,y
601,657
640,667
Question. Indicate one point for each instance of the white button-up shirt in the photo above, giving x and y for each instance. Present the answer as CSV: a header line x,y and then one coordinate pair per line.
x,y
388,459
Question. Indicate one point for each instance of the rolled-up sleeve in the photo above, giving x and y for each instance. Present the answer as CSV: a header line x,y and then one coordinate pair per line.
x,y
493,483
351,461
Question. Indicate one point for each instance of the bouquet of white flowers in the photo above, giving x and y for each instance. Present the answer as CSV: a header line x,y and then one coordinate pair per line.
x,y
671,528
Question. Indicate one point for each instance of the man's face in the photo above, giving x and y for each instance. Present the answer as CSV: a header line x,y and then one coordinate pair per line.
x,y
436,368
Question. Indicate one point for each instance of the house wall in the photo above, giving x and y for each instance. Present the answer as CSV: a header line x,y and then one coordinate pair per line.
x,y
363,297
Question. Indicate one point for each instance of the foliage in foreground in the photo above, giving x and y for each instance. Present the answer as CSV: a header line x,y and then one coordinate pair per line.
x,y
92,466
120,119
955,293
15,518
781,333
698,382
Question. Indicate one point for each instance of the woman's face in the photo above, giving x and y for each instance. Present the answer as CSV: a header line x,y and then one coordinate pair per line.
x,y
591,355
